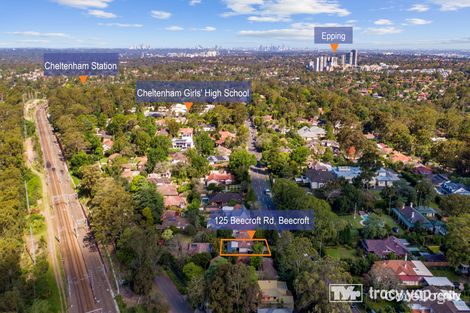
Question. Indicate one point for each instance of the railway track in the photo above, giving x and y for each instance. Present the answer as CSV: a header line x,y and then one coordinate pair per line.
x,y
88,289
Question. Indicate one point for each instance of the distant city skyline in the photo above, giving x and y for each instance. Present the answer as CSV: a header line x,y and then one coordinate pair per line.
x,y
392,24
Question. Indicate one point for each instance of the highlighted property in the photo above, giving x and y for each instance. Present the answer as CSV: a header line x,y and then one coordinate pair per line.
x,y
244,247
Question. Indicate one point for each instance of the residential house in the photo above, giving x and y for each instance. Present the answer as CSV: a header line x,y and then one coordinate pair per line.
x,y
178,157
384,178
347,172
410,273
107,144
221,150
128,174
451,188
224,135
173,219
311,133
438,179
436,306
275,295
218,178
178,109
216,160
318,178
175,201
141,162
199,247
224,198
423,170
425,217
167,190
383,247
184,140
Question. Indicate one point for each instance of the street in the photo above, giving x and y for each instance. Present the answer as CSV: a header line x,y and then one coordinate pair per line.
x,y
174,298
259,176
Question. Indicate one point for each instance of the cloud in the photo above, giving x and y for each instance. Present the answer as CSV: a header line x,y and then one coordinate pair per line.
x,y
296,31
419,8
418,21
383,21
84,4
452,5
383,30
255,18
283,8
122,25
174,28
194,2
160,15
39,34
208,29
101,14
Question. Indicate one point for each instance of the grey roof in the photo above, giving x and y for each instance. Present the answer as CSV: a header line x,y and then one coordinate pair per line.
x,y
319,176
311,132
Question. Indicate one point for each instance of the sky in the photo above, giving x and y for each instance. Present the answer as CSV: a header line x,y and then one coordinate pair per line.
x,y
377,24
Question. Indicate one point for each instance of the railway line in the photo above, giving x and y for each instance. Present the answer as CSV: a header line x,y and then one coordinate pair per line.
x,y
88,288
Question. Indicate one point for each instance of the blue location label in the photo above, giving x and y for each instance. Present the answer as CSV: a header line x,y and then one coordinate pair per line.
x,y
193,91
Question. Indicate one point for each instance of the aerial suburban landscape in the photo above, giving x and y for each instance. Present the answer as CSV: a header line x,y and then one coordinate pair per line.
x,y
251,156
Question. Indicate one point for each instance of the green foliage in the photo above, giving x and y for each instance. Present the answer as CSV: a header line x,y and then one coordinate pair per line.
x,y
231,289
458,240
240,162
204,144
192,270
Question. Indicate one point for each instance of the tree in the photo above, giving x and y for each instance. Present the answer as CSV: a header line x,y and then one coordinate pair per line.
x,y
146,196
173,127
240,162
374,227
458,240
111,210
192,270
196,291
233,289
167,234
425,192
204,144
453,205
287,195
137,250
90,175
312,287
382,278
299,156
199,165
293,253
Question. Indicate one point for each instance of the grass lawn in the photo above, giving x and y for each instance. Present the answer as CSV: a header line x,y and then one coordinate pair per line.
x,y
355,222
341,252
447,272
434,249
54,298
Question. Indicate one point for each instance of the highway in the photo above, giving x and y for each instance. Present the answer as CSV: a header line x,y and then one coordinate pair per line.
x,y
86,282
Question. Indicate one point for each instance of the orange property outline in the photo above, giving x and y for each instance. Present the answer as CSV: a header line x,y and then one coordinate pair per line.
x,y
243,254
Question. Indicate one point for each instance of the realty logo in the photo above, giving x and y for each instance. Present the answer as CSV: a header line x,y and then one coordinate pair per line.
x,y
345,292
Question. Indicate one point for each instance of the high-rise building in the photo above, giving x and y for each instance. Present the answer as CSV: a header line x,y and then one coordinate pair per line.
x,y
354,57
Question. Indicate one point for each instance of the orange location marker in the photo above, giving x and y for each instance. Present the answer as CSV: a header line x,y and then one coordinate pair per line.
x,y
188,105
83,78
251,233
334,46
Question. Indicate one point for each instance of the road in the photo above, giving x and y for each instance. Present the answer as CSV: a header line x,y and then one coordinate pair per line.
x,y
259,176
174,298
88,288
